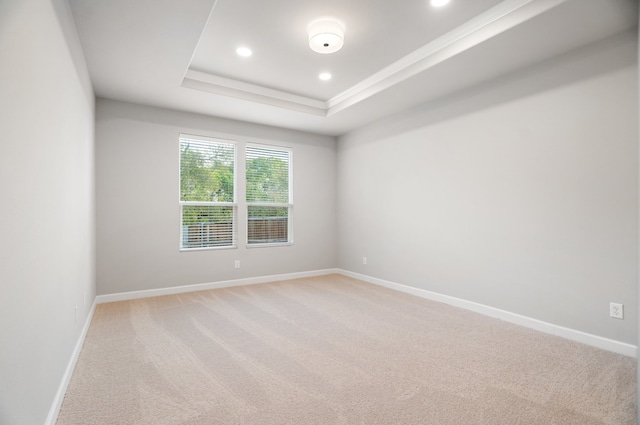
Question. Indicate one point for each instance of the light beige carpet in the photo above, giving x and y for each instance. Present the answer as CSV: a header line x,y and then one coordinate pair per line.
x,y
333,350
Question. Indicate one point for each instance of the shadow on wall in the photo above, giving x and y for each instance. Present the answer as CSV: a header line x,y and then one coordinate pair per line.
x,y
221,127
599,58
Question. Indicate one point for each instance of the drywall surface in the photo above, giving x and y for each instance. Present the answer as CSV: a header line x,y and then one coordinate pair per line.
x,y
138,217
521,195
47,214
638,281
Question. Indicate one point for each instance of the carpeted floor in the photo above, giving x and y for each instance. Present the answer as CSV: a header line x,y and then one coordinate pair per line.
x,y
334,350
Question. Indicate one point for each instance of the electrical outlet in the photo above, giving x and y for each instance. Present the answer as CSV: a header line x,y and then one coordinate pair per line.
x,y
616,310
237,264
364,260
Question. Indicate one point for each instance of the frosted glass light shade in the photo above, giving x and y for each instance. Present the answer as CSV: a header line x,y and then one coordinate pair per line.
x,y
326,36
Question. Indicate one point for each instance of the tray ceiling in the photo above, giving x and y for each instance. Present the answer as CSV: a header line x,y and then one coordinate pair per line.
x,y
181,55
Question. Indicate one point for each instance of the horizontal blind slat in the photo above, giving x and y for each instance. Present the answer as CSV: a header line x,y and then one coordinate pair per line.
x,y
207,193
207,226
267,174
207,170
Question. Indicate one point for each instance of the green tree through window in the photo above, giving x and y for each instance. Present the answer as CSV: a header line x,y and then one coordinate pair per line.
x,y
207,193
268,194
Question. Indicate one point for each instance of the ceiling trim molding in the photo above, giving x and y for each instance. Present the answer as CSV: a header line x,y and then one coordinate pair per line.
x,y
211,83
483,27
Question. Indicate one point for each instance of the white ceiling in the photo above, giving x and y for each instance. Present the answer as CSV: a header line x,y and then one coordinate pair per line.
x,y
181,54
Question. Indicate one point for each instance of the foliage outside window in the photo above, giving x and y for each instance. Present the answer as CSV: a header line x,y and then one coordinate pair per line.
x,y
208,207
268,195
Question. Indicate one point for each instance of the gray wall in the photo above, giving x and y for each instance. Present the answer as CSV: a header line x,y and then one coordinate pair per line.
x,y
47,214
521,194
638,282
137,201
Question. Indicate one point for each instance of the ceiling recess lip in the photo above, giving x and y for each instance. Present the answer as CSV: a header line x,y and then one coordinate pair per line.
x,y
488,24
211,83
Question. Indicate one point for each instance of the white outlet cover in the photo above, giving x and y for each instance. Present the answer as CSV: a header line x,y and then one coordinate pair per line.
x,y
616,310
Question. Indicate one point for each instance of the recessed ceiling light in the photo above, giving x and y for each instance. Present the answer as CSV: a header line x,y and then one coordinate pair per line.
x,y
325,76
245,52
439,3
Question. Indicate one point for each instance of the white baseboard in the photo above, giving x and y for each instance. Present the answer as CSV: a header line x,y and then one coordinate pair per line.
x,y
66,378
548,328
134,295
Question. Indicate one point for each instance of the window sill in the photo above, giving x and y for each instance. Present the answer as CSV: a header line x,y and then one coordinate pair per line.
x,y
209,248
268,245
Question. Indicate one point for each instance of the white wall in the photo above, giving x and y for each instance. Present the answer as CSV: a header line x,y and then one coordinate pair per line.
x,y
47,215
137,183
521,195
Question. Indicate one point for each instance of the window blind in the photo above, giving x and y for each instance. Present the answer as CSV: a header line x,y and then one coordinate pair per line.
x,y
267,175
206,226
207,193
268,195
206,170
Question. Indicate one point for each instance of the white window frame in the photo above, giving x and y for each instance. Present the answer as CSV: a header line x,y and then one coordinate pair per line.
x,y
233,204
288,205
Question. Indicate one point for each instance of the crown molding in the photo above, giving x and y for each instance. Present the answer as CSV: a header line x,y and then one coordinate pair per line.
x,y
496,20
211,83
483,27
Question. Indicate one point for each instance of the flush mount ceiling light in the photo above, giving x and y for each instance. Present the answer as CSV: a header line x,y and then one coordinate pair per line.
x,y
326,35
245,52
325,76
439,3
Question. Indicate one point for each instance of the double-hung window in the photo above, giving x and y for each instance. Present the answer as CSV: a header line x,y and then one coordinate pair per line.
x,y
208,208
268,195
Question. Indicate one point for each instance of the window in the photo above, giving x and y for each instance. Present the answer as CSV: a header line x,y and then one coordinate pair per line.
x,y
268,186
208,208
